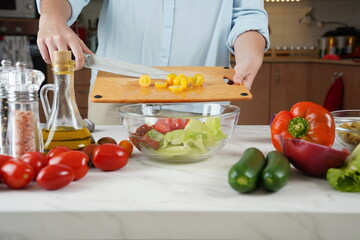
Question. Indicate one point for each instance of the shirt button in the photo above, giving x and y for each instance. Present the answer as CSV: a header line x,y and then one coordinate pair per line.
x,y
168,26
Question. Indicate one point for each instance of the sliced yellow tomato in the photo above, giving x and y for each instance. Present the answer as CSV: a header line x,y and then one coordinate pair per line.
x,y
145,80
177,80
170,78
189,80
198,80
181,75
160,84
183,82
176,88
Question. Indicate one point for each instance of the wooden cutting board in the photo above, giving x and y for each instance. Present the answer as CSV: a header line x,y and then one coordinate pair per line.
x,y
114,88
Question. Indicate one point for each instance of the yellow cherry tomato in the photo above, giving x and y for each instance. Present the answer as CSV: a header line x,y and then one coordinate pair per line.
x,y
160,84
177,80
198,80
145,80
170,78
183,82
181,75
176,88
189,80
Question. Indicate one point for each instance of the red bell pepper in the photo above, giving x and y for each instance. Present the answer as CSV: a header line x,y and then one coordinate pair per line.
x,y
305,120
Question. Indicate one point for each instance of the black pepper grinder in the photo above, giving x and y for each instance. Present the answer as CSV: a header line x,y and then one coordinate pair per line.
x,y
6,66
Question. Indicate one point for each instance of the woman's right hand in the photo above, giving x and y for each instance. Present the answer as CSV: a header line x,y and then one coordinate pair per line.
x,y
55,35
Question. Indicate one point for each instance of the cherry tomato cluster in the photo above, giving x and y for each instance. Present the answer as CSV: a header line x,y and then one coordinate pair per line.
x,y
61,165
175,83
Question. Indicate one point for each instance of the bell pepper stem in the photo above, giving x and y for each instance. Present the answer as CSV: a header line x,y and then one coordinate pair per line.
x,y
298,127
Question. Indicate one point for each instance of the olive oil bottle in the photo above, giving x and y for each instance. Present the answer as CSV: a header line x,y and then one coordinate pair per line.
x,y
64,126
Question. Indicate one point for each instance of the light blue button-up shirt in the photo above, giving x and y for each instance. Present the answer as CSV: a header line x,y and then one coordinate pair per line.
x,y
174,32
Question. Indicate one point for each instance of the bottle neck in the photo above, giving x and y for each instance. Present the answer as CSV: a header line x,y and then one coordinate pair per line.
x,y
64,108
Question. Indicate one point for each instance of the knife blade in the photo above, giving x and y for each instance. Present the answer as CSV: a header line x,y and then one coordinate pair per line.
x,y
113,65
121,67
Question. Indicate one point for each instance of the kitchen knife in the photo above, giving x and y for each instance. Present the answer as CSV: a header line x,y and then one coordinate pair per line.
x,y
121,67
113,65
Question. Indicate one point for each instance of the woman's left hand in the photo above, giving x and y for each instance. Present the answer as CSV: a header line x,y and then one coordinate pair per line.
x,y
249,54
246,70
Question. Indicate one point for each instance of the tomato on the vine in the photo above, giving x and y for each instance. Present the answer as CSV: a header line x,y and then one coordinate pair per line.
x,y
16,174
37,161
110,157
55,176
77,160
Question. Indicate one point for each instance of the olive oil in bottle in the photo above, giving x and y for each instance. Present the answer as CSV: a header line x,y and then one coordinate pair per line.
x,y
75,139
64,126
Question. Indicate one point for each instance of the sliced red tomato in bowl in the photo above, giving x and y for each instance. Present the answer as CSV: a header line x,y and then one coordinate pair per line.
x,y
165,125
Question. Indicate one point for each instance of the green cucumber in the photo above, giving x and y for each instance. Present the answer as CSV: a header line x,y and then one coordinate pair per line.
x,y
244,175
277,171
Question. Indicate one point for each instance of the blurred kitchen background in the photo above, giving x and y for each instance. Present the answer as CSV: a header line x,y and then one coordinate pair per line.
x,y
301,33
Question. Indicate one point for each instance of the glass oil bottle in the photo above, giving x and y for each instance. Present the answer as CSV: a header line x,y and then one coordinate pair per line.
x,y
23,130
64,125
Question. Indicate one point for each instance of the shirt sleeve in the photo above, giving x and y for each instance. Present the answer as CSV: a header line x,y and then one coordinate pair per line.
x,y
76,7
247,16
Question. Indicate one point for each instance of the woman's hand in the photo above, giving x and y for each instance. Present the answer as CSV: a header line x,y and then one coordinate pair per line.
x,y
246,70
55,35
249,55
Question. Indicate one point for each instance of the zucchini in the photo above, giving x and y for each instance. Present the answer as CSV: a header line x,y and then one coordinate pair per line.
x,y
244,175
277,171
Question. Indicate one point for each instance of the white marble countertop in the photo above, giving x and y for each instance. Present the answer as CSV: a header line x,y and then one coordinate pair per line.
x,y
152,200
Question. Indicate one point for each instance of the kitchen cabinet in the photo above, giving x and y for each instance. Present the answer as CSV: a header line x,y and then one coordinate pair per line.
x,y
277,86
288,85
321,78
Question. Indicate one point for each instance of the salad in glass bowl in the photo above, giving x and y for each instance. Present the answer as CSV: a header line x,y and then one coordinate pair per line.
x,y
179,132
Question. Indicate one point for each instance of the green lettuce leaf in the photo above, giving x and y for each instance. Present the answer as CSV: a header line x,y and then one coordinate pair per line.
x,y
346,178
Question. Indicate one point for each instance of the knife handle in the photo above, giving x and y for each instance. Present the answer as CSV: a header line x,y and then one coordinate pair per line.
x,y
34,50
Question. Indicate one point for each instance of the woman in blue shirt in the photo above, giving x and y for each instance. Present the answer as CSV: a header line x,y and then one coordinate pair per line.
x,y
162,33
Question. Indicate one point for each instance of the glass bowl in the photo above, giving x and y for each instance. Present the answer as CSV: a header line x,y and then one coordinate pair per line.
x,y
347,127
179,132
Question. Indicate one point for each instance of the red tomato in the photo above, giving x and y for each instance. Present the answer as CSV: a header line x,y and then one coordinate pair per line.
x,y
36,159
4,158
16,173
169,124
56,150
89,149
77,160
110,157
55,176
